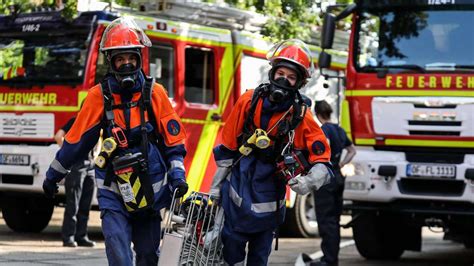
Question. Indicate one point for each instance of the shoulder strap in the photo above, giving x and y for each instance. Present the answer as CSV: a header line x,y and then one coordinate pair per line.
x,y
258,93
108,101
146,96
145,103
298,115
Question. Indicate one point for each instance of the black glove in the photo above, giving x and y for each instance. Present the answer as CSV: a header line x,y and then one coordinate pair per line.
x,y
181,186
50,188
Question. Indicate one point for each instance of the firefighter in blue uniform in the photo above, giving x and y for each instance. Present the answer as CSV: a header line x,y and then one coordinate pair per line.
x,y
267,140
328,200
141,160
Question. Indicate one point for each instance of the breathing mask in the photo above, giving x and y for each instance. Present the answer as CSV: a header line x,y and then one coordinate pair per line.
x,y
127,81
281,89
127,73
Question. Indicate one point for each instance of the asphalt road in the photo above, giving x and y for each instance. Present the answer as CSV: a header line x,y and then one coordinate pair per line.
x,y
46,249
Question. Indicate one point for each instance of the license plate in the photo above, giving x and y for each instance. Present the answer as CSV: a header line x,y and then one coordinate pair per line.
x,y
431,170
14,159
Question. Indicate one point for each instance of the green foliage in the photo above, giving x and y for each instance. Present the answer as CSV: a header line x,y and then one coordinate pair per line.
x,y
12,55
289,18
70,6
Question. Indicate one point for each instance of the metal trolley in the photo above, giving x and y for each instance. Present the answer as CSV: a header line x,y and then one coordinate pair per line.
x,y
192,232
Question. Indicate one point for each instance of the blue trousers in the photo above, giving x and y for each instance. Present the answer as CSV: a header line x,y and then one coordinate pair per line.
x,y
328,202
79,186
120,230
259,246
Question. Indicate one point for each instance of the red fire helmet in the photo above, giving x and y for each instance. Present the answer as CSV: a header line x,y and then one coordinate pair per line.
x,y
294,51
123,33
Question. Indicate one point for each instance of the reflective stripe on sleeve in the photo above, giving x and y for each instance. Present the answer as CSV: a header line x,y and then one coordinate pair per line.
x,y
114,187
225,163
235,197
158,185
177,164
56,165
266,206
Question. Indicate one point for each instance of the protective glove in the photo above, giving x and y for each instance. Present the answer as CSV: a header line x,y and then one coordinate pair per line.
x,y
318,176
50,188
217,181
181,186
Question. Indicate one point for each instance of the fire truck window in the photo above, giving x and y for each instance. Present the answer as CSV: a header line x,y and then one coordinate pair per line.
x,y
199,87
101,68
427,39
162,66
254,71
42,59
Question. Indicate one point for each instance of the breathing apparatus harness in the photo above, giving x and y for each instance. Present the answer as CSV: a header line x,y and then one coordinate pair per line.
x,y
253,137
131,170
257,139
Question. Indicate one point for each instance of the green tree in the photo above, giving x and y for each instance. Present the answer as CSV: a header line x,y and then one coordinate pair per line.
x,y
289,18
7,6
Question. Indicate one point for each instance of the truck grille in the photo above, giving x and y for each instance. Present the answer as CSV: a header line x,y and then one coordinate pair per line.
x,y
423,116
431,187
31,126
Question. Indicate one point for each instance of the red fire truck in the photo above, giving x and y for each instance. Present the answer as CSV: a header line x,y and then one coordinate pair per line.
x,y
408,108
49,63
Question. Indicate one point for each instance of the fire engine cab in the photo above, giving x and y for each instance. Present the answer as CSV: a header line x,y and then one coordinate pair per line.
x,y
409,109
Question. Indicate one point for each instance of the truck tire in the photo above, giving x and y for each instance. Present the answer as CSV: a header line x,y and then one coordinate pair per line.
x,y
300,220
29,215
377,237
469,243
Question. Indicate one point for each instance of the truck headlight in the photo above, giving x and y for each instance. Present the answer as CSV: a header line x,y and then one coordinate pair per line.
x,y
354,185
352,169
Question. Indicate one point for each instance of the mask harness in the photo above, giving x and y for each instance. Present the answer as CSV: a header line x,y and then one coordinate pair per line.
x,y
130,171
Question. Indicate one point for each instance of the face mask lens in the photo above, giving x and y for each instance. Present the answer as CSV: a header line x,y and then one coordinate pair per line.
x,y
282,81
126,69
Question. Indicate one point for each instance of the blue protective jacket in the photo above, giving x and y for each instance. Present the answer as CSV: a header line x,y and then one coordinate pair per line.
x,y
165,157
253,197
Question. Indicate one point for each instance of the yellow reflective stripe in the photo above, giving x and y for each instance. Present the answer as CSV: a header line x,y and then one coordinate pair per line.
x,y
53,108
227,73
252,49
430,143
409,93
181,25
345,118
365,141
200,122
187,39
419,143
201,156
143,203
337,65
